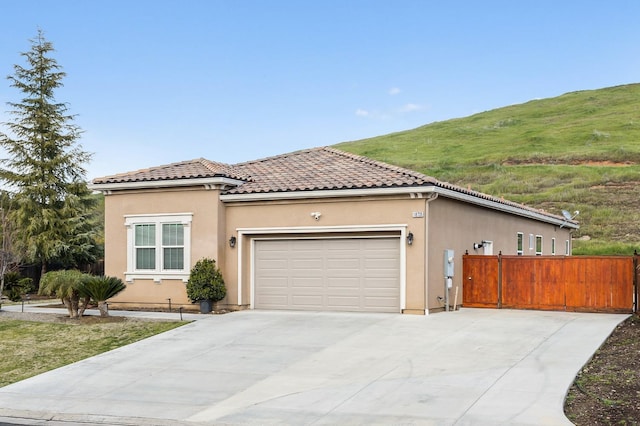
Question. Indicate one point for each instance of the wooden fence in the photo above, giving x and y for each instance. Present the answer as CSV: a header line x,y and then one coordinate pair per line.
x,y
565,283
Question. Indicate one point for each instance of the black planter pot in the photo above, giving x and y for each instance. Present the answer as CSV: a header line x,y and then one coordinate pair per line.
x,y
206,306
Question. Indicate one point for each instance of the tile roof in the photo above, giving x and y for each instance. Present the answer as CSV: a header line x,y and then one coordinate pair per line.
x,y
322,169
313,169
194,169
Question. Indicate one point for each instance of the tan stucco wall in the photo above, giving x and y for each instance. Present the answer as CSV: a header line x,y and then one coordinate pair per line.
x,y
207,221
354,212
457,225
445,224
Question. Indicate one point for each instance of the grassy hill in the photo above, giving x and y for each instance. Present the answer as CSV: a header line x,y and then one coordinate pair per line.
x,y
579,151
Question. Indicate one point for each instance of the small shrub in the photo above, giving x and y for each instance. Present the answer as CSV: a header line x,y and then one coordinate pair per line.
x,y
15,286
206,282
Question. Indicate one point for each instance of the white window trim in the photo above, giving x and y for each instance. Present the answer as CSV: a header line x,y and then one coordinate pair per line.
x,y
567,247
539,253
158,274
553,246
520,235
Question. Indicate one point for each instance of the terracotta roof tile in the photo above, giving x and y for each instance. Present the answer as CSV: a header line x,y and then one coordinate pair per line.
x,y
199,168
314,169
322,169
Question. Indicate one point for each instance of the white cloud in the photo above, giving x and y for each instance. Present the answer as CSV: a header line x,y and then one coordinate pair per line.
x,y
411,107
362,112
394,91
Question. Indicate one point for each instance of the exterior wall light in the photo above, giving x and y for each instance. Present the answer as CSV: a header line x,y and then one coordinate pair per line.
x,y
410,238
232,241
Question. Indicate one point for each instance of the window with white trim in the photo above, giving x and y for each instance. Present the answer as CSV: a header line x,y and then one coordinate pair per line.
x,y
567,247
173,246
520,247
538,245
553,246
158,246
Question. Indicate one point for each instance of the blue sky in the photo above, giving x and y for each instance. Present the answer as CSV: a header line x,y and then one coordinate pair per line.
x,y
154,82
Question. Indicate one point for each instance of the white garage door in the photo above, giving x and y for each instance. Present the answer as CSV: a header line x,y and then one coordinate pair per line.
x,y
355,274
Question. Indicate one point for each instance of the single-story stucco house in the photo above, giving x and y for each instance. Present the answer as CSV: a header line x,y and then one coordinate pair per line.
x,y
318,229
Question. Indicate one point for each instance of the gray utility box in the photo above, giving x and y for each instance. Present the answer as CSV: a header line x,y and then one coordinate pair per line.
x,y
448,263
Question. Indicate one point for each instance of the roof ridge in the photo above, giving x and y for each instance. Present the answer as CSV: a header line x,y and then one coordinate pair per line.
x,y
211,165
380,164
274,157
146,169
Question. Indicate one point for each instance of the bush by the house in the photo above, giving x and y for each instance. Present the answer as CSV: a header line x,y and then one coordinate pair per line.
x,y
206,282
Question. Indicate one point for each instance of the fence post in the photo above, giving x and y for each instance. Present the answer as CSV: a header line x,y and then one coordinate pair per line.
x,y
636,274
500,279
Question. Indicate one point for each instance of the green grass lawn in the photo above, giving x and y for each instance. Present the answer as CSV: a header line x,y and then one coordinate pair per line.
x,y
29,348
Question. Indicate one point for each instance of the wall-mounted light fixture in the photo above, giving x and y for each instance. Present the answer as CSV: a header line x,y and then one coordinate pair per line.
x,y
410,238
232,241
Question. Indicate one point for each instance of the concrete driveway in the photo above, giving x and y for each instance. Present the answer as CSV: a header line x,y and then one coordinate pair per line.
x,y
471,367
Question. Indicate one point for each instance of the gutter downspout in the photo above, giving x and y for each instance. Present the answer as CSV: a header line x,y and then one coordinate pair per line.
x,y
427,216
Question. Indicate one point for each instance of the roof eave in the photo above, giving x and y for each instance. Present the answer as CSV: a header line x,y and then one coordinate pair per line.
x,y
405,190
519,211
209,182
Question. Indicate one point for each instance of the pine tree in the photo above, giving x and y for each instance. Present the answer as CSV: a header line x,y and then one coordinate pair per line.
x,y
45,168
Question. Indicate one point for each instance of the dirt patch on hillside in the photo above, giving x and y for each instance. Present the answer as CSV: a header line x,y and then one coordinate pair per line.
x,y
557,162
604,163
607,390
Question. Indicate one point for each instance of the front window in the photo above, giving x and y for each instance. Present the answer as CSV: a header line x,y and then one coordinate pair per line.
x,y
145,242
158,246
172,246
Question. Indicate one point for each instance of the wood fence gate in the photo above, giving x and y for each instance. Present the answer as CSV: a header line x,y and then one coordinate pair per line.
x,y
563,283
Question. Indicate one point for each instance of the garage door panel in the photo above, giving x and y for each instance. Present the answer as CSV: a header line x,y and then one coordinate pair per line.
x,y
344,283
381,263
381,283
306,264
278,264
275,282
305,301
356,274
303,282
342,302
343,263
374,303
278,301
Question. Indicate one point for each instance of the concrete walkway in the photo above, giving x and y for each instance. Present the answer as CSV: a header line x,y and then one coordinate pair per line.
x,y
174,315
471,367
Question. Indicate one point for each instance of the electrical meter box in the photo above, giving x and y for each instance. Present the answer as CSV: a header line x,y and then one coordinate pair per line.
x,y
448,263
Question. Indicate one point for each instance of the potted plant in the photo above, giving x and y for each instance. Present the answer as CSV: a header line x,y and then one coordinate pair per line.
x,y
206,285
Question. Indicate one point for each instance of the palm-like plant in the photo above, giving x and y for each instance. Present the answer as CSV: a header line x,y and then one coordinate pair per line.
x,y
100,289
68,286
